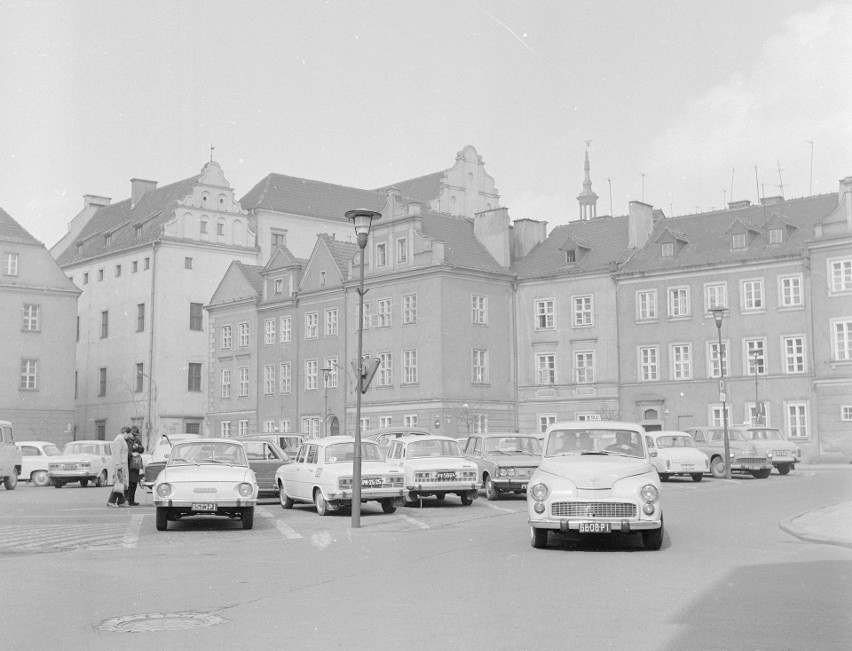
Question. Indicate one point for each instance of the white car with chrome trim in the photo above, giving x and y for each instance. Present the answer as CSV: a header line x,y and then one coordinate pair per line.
x,y
676,455
206,476
595,477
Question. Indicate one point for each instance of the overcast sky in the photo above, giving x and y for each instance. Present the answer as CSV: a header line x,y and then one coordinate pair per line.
x,y
685,98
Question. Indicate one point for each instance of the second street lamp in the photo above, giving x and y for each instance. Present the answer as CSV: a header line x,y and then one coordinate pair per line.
x,y
755,356
718,315
362,220
325,372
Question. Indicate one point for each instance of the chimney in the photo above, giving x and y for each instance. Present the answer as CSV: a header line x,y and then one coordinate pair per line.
x,y
742,203
640,224
491,227
526,235
94,201
844,197
771,201
139,188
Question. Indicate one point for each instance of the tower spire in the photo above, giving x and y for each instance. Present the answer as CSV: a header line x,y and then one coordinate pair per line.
x,y
587,199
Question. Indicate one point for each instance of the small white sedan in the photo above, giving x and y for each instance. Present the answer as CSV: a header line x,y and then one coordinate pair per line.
x,y
82,461
434,466
322,474
674,453
35,459
206,476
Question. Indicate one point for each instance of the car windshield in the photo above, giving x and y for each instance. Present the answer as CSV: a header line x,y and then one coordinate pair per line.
x,y
513,445
675,442
623,442
197,453
764,435
51,450
733,435
343,452
433,448
81,448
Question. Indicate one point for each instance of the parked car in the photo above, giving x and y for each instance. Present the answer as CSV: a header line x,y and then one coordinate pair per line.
x,y
770,441
745,457
504,461
322,474
10,457
384,435
35,459
264,457
84,462
595,477
674,453
154,460
205,476
433,467
288,442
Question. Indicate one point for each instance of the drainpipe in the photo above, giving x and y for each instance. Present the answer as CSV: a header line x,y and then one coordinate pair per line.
x,y
151,337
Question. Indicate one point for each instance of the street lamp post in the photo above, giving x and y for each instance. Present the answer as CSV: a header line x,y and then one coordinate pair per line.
x,y
362,220
325,373
718,315
755,354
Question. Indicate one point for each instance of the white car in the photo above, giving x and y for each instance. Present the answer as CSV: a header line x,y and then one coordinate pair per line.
x,y
205,476
674,453
322,474
154,460
35,459
595,477
82,461
433,466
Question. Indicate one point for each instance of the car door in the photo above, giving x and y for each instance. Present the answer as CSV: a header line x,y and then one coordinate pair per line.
x,y
294,475
264,460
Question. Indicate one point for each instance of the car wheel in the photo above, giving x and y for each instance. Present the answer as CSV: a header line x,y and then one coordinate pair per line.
x,y
101,480
286,502
697,476
761,474
491,491
653,538
12,480
717,467
465,500
538,537
162,518
84,483
58,484
440,496
664,476
321,504
387,505
248,517
40,478
784,468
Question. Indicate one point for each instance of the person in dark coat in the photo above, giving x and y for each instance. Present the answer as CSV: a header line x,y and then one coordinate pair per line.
x,y
134,463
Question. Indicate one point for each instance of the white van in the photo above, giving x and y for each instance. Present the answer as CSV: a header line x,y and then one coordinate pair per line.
x,y
10,457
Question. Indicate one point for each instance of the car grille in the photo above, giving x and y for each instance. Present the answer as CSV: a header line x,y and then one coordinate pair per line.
x,y
752,461
593,510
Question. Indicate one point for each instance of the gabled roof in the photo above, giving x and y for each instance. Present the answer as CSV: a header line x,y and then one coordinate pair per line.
x,y
252,275
462,248
676,234
282,258
746,224
422,189
341,252
12,231
240,281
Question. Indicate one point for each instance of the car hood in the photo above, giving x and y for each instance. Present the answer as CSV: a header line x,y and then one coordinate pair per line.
x,y
503,459
205,472
592,471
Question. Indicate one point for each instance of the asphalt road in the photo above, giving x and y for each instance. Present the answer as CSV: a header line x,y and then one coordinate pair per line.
x,y
79,575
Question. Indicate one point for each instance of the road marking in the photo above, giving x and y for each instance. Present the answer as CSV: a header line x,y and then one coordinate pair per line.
x,y
61,537
131,534
286,530
499,508
416,523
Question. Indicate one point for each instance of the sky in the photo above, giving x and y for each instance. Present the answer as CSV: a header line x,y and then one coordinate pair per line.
x,y
687,104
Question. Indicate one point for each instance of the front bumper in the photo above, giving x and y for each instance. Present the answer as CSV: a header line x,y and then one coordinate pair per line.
x,y
443,487
72,475
616,526
510,483
187,504
750,463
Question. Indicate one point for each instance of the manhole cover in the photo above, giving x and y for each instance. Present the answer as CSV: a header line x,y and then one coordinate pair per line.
x,y
159,622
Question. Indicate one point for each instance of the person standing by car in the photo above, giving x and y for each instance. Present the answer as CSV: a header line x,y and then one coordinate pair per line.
x,y
120,458
134,464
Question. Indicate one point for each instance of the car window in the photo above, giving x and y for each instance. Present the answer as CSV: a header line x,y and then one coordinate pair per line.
x,y
29,451
344,452
623,442
312,455
433,448
675,442
698,435
649,441
205,452
300,457
477,445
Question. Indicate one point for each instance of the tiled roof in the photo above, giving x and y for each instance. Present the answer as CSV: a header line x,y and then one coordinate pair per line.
x,y
119,219
252,274
341,252
423,189
311,198
461,247
12,231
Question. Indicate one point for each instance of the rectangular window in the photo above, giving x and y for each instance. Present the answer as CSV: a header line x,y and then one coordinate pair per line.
x,y
715,362
678,302
331,322
244,334
29,374
225,429
10,264
279,239
648,364
203,226
715,295
226,337
330,377
385,421
104,324
220,228
284,426
311,374
311,325
226,383
797,420
775,236
402,250
480,423
409,309
383,318
738,241
846,413
545,365
278,286
102,379
242,427
755,357
140,377
790,291
117,270
794,354
385,372
140,317
479,310
842,339
269,332
284,378
646,305
681,361
134,266
381,254
584,367
30,318
147,263
244,381
100,275
752,294
544,315
841,276
311,427
582,311
367,315
269,426
193,377
717,415
667,249
284,335
196,316
268,380
86,278
545,421
187,263
480,367
409,366
409,420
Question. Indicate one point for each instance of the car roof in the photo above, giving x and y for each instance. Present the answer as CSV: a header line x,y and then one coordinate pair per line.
x,y
404,431
428,437
89,441
37,443
208,441
497,435
595,424
668,432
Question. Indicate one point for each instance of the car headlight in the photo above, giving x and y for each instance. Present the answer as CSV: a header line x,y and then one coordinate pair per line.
x,y
769,455
502,472
538,491
245,489
649,493
164,490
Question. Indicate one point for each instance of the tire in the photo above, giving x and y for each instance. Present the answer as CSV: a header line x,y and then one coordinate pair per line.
x,y
697,476
286,502
162,518
248,517
409,500
783,468
717,467
538,537
491,491
12,480
101,481
321,504
58,483
653,538
664,476
465,500
84,483
761,474
387,505
440,496
40,478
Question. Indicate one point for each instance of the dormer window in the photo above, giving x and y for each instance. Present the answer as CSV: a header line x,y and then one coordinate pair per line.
x,y
278,286
776,236
738,241
137,231
667,249
570,256
108,239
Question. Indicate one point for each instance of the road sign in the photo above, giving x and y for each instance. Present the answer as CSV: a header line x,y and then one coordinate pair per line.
x,y
365,374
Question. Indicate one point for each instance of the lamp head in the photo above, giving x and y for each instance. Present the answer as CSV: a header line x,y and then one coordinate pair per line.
x,y
718,314
362,219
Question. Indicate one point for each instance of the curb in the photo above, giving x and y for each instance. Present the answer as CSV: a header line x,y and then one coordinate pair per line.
x,y
807,526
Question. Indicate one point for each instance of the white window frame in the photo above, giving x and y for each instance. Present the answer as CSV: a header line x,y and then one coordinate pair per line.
x,y
244,334
715,295
225,429
312,325
29,375
584,366
242,427
544,421
226,332
409,309
752,295
749,367
479,309
269,332
285,330
790,291
331,321
269,379
30,322
648,363
839,274
841,339
384,375
681,361
409,420
479,366
385,421
678,302
244,381
225,383
311,374
381,254
796,418
384,308
285,378
794,354
545,314
409,367
583,310
402,252
545,368
646,305
331,379
714,362
10,263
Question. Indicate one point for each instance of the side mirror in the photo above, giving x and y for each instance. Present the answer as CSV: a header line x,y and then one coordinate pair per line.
x,y
653,453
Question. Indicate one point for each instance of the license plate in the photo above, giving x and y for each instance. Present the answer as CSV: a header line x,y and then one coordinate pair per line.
x,y
688,466
69,467
594,527
371,483
203,506
446,475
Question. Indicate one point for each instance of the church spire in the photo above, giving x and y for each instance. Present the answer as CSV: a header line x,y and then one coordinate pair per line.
x,y
587,199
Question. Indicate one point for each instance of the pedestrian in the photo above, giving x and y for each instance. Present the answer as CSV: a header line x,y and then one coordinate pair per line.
x,y
119,459
134,464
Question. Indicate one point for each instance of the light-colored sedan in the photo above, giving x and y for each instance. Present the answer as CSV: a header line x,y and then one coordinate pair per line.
x,y
35,459
505,461
783,454
82,461
206,477
595,477
434,466
322,474
674,453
